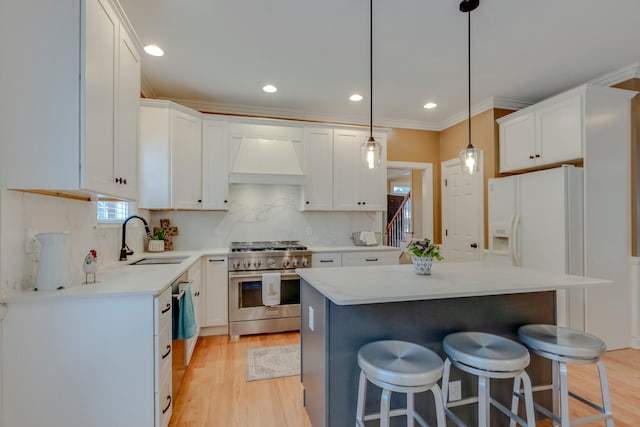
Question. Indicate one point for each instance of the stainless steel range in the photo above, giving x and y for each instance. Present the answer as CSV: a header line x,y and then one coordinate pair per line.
x,y
251,268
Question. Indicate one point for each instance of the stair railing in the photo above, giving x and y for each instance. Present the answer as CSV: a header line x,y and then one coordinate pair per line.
x,y
396,227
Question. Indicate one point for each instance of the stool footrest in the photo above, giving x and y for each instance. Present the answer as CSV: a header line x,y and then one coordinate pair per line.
x,y
462,402
508,412
586,401
396,413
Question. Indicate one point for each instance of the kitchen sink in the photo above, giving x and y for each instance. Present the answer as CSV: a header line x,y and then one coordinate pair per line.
x,y
161,260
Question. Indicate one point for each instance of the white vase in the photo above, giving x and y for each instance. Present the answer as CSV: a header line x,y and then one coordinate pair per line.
x,y
155,246
422,264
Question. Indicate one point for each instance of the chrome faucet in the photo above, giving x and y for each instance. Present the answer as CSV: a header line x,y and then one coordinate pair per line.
x,y
124,251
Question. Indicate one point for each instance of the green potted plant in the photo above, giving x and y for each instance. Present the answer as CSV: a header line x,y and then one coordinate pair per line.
x,y
422,253
156,244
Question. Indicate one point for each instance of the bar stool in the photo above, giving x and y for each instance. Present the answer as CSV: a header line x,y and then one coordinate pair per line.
x,y
487,356
563,346
402,367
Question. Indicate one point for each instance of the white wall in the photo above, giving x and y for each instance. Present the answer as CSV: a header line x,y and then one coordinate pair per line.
x,y
265,212
23,215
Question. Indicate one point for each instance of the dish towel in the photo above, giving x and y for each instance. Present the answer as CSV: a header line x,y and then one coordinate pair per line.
x,y
271,289
369,238
186,317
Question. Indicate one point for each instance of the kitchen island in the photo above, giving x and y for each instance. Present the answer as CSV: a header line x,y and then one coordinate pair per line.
x,y
345,308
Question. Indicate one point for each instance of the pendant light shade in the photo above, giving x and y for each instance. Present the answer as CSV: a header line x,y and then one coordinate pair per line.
x,y
469,157
371,150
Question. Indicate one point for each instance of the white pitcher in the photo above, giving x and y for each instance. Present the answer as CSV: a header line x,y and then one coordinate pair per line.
x,y
54,266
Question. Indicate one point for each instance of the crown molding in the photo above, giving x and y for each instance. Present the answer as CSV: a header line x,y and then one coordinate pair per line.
x,y
486,104
311,116
146,88
618,76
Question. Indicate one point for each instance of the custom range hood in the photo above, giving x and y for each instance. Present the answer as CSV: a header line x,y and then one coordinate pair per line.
x,y
266,160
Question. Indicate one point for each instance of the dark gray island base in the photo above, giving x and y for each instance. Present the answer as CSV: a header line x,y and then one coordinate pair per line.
x,y
329,350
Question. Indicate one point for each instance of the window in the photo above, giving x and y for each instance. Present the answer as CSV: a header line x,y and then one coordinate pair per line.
x,y
113,211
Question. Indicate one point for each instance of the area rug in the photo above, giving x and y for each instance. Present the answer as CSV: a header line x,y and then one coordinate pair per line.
x,y
273,362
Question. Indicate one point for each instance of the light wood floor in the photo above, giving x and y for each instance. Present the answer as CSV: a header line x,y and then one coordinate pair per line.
x,y
215,393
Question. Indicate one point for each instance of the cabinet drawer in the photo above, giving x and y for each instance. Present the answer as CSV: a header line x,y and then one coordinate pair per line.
x,y
353,259
163,357
164,404
327,259
162,311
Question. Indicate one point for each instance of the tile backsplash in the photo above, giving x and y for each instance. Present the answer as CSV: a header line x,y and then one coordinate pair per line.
x,y
256,212
23,215
265,212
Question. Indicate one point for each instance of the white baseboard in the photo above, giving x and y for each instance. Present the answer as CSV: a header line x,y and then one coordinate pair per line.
x,y
634,278
214,330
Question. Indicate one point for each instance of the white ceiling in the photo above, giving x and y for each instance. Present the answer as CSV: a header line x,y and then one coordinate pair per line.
x,y
219,54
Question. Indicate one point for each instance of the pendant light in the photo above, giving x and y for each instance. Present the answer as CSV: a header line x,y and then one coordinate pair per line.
x,y
371,149
469,156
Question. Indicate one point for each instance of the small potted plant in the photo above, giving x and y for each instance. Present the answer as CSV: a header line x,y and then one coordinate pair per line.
x,y
422,254
156,244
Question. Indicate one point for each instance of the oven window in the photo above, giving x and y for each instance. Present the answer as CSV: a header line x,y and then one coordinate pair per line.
x,y
251,293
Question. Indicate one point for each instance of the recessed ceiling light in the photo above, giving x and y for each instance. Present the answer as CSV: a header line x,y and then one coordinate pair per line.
x,y
430,105
355,97
153,50
269,88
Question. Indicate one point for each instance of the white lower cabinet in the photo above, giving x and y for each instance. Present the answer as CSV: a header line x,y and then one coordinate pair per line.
x,y
326,259
194,278
163,359
215,292
98,361
355,258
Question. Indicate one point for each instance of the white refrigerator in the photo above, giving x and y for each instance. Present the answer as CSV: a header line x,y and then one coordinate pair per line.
x,y
536,221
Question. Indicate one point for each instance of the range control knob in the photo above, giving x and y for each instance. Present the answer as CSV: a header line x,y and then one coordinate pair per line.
x,y
285,262
236,265
271,263
257,263
247,263
304,261
294,262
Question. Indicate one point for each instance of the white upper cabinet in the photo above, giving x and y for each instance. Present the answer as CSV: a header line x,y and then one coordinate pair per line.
x,y
186,160
543,134
171,153
356,187
317,191
84,98
215,164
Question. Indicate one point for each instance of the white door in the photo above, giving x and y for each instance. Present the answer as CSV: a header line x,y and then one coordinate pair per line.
x,y
462,213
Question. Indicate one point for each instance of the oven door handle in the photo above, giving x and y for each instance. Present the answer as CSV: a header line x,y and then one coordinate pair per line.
x,y
259,276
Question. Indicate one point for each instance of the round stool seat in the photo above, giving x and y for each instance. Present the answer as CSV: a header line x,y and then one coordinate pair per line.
x,y
400,363
486,351
561,341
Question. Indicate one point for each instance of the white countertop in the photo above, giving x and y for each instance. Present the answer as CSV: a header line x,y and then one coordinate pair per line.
x,y
321,249
394,283
123,279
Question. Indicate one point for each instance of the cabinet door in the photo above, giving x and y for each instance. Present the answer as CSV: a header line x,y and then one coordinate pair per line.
x,y
100,52
559,130
373,182
346,170
186,166
128,117
216,292
317,192
517,143
215,165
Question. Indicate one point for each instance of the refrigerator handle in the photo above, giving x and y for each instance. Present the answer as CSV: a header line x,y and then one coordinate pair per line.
x,y
513,241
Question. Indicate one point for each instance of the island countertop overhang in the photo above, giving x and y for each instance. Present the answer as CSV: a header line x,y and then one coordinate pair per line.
x,y
396,283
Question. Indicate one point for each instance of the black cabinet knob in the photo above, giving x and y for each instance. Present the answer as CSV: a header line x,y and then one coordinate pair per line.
x,y
199,200
124,181
474,245
531,157
225,201
359,203
364,203
307,202
537,156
